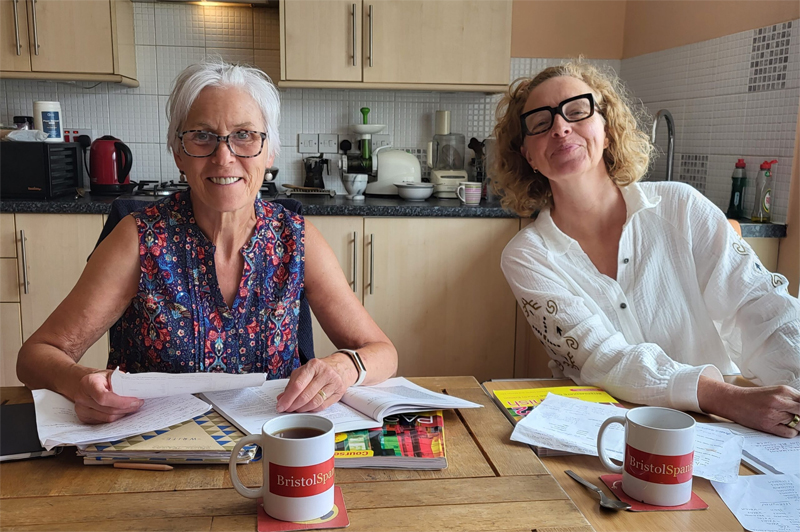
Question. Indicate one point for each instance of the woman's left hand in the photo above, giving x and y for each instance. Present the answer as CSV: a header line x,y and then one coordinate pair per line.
x,y
318,384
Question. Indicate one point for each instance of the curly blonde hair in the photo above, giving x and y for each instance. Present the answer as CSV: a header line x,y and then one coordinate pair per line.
x,y
627,157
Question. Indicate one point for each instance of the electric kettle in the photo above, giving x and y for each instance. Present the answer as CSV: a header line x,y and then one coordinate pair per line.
x,y
110,162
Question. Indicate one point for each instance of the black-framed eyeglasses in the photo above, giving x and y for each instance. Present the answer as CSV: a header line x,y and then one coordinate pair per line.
x,y
573,109
243,143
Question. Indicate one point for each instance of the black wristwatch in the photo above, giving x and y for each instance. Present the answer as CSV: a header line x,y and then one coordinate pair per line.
x,y
356,358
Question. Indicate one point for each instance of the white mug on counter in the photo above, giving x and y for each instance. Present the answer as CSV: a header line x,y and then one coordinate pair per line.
x,y
659,455
297,461
469,193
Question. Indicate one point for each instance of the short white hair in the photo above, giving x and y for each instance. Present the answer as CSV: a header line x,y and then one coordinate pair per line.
x,y
215,72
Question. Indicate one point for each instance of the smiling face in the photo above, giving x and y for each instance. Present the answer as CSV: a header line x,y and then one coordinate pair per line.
x,y
568,148
224,182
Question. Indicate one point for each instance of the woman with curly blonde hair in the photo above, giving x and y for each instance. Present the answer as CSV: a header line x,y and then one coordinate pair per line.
x,y
643,289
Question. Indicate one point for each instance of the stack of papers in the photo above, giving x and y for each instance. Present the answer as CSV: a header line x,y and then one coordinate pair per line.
x,y
767,503
572,425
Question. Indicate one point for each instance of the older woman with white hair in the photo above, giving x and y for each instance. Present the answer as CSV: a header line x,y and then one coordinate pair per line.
x,y
210,280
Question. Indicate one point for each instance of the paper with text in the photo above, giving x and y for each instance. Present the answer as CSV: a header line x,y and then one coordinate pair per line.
x,y
572,425
151,385
768,453
768,503
58,424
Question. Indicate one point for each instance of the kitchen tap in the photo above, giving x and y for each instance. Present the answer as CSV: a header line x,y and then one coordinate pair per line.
x,y
671,136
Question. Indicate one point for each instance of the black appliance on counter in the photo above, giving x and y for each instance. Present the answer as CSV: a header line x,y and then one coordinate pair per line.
x,y
40,170
157,190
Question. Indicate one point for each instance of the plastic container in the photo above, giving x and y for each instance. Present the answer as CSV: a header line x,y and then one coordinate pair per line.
x,y
738,186
762,208
47,118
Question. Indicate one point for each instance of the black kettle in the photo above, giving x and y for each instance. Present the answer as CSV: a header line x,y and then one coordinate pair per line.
x,y
313,167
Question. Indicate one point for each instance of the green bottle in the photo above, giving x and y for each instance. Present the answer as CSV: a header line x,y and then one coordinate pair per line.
x,y
739,178
762,208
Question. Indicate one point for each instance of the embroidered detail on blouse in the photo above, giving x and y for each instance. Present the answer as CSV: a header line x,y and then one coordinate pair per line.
x,y
178,322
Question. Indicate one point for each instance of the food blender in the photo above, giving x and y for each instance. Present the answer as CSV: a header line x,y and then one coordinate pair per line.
x,y
446,158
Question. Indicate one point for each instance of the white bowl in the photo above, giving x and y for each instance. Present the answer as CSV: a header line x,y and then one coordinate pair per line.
x,y
355,184
413,191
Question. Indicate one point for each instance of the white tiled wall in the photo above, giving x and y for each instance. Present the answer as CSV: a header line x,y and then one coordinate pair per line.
x,y
704,85
708,88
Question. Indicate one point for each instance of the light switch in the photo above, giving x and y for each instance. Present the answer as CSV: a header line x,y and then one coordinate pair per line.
x,y
308,143
381,140
329,143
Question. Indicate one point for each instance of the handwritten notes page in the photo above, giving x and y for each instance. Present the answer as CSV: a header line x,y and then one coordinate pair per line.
x,y
58,424
768,503
151,385
767,453
571,425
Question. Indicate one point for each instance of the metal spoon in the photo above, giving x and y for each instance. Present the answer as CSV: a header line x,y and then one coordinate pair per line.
x,y
605,502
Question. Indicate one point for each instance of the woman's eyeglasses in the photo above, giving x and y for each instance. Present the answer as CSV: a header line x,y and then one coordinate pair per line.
x,y
573,109
199,143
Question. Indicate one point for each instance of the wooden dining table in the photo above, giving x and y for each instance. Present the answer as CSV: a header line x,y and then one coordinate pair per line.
x,y
491,483
717,518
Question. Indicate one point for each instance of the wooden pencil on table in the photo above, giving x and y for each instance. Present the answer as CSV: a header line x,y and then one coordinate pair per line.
x,y
149,467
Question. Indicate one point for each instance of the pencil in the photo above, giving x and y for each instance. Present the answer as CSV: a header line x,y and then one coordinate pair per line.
x,y
149,467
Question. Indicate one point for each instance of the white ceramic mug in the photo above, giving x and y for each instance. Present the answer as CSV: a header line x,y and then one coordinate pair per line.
x,y
469,193
659,455
298,471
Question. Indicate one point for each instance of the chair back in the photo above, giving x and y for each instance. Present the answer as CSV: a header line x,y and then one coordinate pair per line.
x,y
120,208
736,226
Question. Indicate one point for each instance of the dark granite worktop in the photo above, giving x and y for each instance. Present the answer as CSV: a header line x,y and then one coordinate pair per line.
x,y
339,206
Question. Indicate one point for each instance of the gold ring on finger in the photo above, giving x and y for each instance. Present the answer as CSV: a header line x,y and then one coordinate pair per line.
x,y
324,396
793,423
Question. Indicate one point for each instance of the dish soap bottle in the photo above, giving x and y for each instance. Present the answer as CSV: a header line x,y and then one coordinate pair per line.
x,y
736,205
762,208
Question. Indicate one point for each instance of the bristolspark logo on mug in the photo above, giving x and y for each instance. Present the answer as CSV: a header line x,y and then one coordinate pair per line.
x,y
304,481
658,469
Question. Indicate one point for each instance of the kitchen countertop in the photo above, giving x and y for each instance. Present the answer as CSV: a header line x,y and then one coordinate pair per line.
x,y
339,206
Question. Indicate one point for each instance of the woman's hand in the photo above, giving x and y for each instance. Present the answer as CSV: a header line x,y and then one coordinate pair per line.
x,y
331,375
96,403
765,408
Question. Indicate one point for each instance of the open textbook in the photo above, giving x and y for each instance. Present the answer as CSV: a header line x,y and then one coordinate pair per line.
x,y
361,407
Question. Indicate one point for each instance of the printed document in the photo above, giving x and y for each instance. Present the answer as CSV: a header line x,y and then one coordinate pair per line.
x,y
58,424
767,453
151,385
572,425
361,407
767,503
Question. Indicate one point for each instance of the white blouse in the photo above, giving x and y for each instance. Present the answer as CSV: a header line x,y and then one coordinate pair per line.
x,y
690,298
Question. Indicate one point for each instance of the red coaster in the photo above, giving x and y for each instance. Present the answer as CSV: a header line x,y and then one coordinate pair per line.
x,y
336,518
614,482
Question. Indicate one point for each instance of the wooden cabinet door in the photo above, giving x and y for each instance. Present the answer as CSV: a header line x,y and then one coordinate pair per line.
x,y
345,235
318,40
73,36
431,41
15,54
10,342
436,289
56,249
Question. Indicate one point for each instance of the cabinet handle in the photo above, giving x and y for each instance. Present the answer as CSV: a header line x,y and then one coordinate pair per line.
x,y
35,30
25,282
370,45
16,28
355,261
354,36
371,260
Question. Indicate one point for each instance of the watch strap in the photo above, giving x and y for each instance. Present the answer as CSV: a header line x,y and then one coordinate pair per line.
x,y
356,358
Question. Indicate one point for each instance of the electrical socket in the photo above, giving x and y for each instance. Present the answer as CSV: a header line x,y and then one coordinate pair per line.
x,y
328,143
308,143
381,140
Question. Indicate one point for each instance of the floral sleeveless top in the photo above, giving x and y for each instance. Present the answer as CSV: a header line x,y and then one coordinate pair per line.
x,y
178,322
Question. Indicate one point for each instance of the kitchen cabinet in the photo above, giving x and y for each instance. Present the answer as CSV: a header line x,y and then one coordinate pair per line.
x,y
98,46
421,44
39,275
435,287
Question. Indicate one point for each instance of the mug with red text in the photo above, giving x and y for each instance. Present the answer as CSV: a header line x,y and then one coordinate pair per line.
x,y
659,455
297,461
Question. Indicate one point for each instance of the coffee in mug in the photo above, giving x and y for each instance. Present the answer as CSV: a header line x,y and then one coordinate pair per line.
x,y
297,464
659,455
